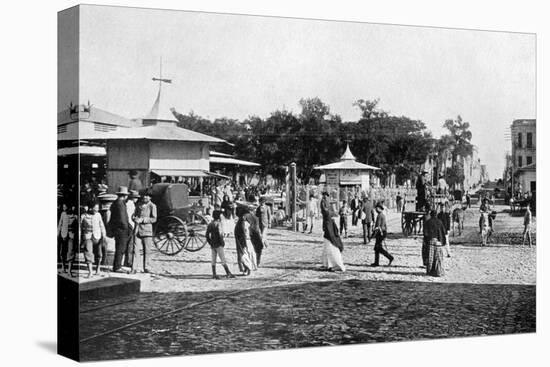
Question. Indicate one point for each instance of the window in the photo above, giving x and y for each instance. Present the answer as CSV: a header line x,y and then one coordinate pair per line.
x,y
529,140
528,160
519,140
520,161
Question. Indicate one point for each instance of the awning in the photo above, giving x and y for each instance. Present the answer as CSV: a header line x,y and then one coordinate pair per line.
x,y
188,173
232,161
82,150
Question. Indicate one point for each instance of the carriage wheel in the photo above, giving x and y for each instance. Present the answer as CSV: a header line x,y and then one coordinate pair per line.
x,y
196,233
406,225
170,235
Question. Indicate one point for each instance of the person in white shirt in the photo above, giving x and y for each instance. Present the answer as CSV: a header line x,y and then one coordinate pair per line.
x,y
311,213
442,185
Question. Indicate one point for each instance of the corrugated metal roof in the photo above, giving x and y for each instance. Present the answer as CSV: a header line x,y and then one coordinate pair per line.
x,y
232,161
82,150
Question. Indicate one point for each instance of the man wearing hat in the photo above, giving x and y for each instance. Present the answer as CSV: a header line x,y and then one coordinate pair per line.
x,y
144,217
131,209
119,226
367,218
380,231
421,190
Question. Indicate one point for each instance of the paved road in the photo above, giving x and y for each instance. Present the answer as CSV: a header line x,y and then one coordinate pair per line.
x,y
290,303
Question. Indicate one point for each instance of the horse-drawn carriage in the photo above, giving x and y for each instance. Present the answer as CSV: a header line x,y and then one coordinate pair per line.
x,y
180,225
412,215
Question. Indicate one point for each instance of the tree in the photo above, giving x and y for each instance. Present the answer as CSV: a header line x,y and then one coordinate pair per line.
x,y
461,135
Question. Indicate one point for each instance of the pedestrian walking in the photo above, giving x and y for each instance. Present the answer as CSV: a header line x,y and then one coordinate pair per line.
x,y
325,206
444,216
343,213
215,238
399,202
99,237
468,200
367,218
332,247
255,235
380,233
434,232
119,226
311,213
425,238
527,218
144,217
246,256
264,219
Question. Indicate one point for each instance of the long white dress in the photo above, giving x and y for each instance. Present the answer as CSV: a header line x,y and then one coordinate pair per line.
x,y
332,257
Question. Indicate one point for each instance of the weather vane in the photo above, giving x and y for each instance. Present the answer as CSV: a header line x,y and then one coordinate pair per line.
x,y
160,79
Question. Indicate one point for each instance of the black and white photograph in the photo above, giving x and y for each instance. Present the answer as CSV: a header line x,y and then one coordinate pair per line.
x,y
238,183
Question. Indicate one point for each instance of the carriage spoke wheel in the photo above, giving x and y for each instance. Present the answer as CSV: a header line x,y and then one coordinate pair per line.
x,y
196,233
170,235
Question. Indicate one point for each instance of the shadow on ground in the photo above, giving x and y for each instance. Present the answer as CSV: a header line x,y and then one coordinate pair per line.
x,y
303,315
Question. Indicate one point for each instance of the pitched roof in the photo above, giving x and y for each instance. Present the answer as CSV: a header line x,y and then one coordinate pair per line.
x,y
92,114
347,161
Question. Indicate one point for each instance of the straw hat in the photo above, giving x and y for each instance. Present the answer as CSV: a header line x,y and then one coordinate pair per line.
x,y
122,190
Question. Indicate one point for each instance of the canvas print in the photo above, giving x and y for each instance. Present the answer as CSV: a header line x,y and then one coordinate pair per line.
x,y
233,183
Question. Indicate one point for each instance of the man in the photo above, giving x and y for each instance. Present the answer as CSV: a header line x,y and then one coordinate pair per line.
x,y
214,237
399,202
434,233
135,182
527,225
421,191
119,226
131,209
380,231
468,200
354,206
425,239
311,213
144,217
325,206
367,218
264,219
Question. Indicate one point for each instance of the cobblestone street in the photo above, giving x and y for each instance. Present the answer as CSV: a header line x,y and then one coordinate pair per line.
x,y
290,303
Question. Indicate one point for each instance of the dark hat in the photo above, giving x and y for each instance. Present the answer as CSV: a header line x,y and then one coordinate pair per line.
x,y
325,193
380,206
262,200
134,194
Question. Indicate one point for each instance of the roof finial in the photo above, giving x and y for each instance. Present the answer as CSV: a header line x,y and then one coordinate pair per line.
x,y
347,154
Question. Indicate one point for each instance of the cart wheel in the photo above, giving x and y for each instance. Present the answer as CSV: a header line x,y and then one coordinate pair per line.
x,y
196,233
406,224
170,235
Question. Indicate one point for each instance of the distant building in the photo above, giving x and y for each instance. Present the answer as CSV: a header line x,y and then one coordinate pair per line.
x,y
523,134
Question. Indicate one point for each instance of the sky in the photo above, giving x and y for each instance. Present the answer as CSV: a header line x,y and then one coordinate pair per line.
x,y
237,66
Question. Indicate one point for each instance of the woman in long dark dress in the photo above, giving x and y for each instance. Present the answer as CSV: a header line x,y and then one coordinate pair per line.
x,y
333,247
435,235
255,235
246,256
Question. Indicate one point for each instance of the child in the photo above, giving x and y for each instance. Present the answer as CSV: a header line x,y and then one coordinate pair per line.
x,y
207,215
344,212
99,235
215,238
527,226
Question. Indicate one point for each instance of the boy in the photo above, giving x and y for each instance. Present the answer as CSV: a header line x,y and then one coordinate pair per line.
x,y
214,237
343,213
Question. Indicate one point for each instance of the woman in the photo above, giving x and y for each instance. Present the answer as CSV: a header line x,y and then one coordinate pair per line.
x,y
434,233
246,256
333,247
255,235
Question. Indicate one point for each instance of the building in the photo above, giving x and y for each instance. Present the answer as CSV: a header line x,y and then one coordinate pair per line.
x,y
347,174
523,135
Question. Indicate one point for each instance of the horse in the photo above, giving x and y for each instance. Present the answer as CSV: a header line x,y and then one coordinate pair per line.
x,y
458,217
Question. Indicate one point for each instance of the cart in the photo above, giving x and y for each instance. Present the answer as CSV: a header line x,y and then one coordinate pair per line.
x,y
180,225
411,218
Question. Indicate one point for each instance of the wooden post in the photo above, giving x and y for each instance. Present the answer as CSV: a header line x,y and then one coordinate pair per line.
x,y
293,195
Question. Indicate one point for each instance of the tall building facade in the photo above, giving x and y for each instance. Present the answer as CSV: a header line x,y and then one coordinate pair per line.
x,y
524,149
